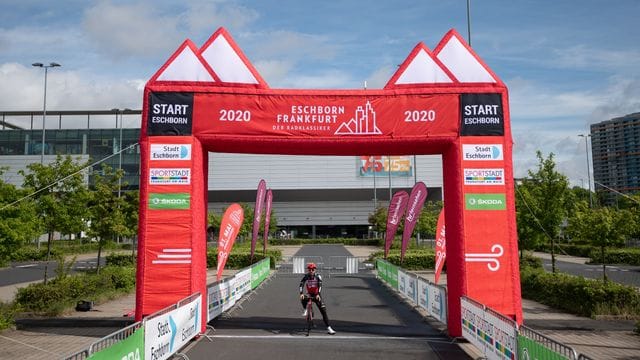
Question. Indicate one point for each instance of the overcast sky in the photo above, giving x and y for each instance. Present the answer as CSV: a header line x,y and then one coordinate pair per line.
x,y
566,63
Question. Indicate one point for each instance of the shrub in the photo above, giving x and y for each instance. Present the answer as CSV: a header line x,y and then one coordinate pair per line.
x,y
7,312
577,295
121,259
62,293
241,259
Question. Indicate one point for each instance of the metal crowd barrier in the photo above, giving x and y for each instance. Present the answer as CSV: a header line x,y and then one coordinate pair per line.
x,y
115,337
330,265
80,355
584,357
550,344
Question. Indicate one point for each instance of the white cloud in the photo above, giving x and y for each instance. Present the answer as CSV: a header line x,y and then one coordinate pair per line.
x,y
294,46
274,72
23,89
379,78
131,30
207,16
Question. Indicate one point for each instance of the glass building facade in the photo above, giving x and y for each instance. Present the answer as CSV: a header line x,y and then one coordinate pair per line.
x,y
101,145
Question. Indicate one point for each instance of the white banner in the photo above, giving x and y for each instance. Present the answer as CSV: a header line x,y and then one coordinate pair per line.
x,y
242,283
437,303
505,345
473,325
218,299
494,336
164,335
423,294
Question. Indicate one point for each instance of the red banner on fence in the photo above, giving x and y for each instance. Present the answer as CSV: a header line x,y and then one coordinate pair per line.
x,y
229,228
441,246
414,207
397,206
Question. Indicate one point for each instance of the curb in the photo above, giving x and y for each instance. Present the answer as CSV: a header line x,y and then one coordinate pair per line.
x,y
30,323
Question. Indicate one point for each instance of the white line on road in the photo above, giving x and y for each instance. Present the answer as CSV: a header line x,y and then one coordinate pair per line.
x,y
328,337
26,266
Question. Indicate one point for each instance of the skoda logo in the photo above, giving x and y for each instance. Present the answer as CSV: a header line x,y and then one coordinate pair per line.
x,y
472,201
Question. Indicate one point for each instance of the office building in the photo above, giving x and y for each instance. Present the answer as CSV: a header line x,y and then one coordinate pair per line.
x,y
615,149
313,196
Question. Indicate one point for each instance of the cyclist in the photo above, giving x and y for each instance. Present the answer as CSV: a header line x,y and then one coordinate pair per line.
x,y
313,283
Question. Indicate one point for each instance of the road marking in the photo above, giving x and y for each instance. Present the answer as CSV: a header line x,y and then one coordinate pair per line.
x,y
26,266
328,337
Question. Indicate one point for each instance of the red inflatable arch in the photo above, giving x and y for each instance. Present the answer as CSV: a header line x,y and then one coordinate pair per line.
x,y
446,101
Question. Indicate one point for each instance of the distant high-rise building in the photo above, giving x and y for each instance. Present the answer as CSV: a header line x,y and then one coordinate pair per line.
x,y
615,149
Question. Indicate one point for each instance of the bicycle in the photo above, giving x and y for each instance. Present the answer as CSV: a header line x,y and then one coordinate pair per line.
x,y
309,312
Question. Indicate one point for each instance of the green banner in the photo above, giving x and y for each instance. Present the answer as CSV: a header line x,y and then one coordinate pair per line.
x,y
485,201
392,270
259,272
170,201
129,348
388,272
531,350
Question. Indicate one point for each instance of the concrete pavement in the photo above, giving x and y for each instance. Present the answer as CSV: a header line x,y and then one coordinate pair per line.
x,y
599,339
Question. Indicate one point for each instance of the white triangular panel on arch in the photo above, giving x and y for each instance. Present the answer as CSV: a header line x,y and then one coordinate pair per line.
x,y
462,64
226,63
185,67
423,70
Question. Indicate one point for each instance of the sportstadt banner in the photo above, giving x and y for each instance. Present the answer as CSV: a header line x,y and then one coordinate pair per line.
x,y
444,101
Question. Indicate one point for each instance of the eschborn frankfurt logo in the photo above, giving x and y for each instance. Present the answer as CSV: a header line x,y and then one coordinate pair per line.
x,y
364,123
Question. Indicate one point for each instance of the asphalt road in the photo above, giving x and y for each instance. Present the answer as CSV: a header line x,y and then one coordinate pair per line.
x,y
23,272
623,274
371,323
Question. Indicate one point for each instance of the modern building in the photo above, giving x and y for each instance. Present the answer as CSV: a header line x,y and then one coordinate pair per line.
x,y
615,149
313,196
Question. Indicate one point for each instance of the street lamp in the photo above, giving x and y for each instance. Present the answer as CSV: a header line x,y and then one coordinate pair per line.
x,y
121,113
44,107
586,148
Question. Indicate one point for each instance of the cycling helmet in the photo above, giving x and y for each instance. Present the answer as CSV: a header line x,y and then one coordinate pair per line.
x,y
311,266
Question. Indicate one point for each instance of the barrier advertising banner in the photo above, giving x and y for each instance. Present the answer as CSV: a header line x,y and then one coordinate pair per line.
x,y
229,228
441,246
259,272
165,334
397,206
414,207
257,214
267,220
130,348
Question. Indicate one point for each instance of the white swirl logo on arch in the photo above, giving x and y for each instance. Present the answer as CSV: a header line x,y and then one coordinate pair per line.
x,y
492,259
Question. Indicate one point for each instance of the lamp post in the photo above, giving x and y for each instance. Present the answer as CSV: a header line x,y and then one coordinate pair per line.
x,y
44,106
586,148
121,113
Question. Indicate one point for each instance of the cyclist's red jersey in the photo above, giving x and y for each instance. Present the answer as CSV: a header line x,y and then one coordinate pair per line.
x,y
313,283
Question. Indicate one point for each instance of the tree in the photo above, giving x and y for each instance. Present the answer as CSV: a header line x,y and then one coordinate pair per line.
x,y
107,210
60,195
378,219
19,224
429,218
604,227
541,205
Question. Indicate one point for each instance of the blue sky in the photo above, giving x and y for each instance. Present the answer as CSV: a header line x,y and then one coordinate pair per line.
x,y
567,64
